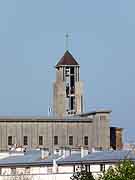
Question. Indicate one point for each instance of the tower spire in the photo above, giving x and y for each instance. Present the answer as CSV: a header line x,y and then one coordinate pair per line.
x,y
66,41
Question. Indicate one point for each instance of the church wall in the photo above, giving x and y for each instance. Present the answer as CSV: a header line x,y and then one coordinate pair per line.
x,y
105,122
96,131
79,96
19,133
27,131
46,129
34,134
59,97
3,135
101,133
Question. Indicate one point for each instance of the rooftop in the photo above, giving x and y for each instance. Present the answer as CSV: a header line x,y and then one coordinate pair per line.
x,y
67,59
44,119
33,158
100,111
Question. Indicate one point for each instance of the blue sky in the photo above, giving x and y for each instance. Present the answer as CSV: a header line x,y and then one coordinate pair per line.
x,y
102,39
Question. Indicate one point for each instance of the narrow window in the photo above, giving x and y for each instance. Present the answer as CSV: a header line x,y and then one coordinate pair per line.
x,y
25,140
63,74
67,71
72,81
67,91
70,140
9,140
74,168
82,104
78,74
86,140
72,70
72,103
55,140
40,140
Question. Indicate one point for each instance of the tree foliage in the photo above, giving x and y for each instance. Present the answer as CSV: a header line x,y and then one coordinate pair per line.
x,y
82,175
125,170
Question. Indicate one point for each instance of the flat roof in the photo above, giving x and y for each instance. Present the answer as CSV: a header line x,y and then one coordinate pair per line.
x,y
117,128
95,112
73,119
33,158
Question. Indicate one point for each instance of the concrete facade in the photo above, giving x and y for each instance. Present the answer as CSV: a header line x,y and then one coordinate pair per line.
x,y
95,130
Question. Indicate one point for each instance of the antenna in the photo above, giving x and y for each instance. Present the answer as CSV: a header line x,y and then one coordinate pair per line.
x,y
67,40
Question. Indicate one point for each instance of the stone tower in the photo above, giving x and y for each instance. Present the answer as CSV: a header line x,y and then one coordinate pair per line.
x,y
67,89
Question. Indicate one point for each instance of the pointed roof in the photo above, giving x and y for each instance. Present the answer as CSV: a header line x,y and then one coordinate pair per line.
x,y
67,59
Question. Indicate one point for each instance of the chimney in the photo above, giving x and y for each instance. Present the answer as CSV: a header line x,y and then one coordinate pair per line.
x,y
44,153
93,150
66,152
75,151
84,152
54,166
58,152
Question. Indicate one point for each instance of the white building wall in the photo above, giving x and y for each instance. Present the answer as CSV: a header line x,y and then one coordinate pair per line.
x,y
95,168
46,173
65,169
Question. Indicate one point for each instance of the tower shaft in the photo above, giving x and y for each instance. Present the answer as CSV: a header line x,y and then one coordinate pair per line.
x,y
68,89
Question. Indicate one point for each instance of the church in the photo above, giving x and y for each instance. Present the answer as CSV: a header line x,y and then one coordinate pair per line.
x,y
69,126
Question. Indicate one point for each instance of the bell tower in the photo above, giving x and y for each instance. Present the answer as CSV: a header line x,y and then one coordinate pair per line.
x,y
67,89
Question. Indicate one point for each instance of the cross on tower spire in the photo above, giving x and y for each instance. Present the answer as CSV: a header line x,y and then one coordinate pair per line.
x,y
67,41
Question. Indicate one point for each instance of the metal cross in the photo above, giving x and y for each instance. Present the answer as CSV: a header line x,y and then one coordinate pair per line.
x,y
67,39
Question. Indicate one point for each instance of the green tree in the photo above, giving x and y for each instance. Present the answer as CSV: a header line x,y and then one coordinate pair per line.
x,y
82,175
125,170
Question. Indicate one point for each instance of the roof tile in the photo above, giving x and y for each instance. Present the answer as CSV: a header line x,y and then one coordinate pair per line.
x,y
67,59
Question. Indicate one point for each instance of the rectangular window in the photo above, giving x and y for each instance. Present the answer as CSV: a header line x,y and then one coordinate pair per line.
x,y
74,168
40,140
67,91
72,102
25,140
67,71
82,103
55,140
86,140
72,81
70,140
10,140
